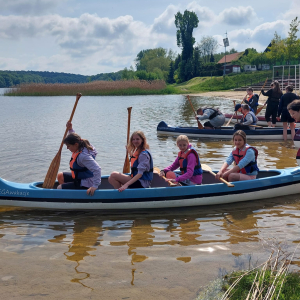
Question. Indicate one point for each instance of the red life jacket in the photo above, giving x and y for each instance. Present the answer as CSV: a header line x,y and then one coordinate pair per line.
x,y
182,158
238,155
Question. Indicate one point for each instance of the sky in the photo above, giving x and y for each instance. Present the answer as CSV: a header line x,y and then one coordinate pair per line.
x,y
101,36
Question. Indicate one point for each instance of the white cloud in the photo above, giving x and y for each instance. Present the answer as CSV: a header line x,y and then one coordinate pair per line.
x,y
204,14
259,37
165,22
87,40
236,16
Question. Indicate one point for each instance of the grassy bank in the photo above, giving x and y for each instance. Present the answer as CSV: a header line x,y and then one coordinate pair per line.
x,y
207,84
268,281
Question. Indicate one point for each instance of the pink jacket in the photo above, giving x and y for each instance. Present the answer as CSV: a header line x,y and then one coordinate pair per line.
x,y
192,162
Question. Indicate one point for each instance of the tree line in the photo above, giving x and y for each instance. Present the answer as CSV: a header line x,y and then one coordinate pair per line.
x,y
13,78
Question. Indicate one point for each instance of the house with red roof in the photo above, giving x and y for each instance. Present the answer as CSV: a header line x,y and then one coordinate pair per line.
x,y
229,58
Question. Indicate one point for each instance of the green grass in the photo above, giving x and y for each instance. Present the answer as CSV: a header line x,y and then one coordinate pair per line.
x,y
290,289
206,84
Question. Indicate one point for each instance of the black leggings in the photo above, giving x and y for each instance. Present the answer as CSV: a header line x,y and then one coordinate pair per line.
x,y
271,110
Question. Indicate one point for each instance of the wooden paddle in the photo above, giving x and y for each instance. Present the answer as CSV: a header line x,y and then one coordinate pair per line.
x,y
157,170
126,168
260,108
231,116
199,124
208,169
53,169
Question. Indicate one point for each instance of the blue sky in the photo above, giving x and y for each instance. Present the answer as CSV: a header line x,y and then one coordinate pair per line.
x,y
91,37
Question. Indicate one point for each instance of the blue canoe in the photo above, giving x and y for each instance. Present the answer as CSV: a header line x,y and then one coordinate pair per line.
x,y
267,133
270,183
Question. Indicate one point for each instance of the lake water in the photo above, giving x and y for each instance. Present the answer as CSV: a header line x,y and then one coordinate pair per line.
x,y
158,254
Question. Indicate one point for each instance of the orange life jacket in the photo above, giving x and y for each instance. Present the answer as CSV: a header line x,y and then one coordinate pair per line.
x,y
147,175
77,171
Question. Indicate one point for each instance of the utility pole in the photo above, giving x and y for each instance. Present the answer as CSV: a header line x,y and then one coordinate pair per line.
x,y
226,44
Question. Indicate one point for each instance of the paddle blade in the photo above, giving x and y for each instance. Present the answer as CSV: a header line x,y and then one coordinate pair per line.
x,y
52,172
259,110
126,168
199,125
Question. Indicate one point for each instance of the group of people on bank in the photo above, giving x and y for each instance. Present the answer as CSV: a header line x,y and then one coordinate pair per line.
x,y
276,110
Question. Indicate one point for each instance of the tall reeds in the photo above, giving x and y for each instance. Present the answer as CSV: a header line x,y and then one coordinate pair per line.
x,y
94,88
269,281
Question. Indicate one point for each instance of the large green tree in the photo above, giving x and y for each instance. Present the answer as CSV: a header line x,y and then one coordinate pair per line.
x,y
292,42
277,49
185,24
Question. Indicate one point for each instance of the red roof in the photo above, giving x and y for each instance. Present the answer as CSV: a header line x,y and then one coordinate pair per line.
x,y
230,57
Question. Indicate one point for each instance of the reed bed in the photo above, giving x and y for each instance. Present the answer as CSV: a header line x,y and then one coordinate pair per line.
x,y
94,88
271,280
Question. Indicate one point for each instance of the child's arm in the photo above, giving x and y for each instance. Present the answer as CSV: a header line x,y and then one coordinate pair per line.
x,y
226,164
174,166
89,162
144,165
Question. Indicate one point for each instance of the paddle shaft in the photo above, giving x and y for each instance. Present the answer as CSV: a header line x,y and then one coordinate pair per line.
x,y
199,124
231,116
207,168
157,170
260,108
54,166
126,168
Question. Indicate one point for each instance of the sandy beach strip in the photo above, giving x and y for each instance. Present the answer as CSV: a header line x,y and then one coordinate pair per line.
x,y
233,95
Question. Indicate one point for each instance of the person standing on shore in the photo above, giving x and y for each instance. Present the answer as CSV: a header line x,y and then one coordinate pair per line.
x,y
274,94
286,118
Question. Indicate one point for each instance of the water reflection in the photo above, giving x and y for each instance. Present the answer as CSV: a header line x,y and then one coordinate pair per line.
x,y
184,235
137,244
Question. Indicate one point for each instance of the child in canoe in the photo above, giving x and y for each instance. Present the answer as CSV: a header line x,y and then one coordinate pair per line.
x,y
141,165
189,163
245,158
85,171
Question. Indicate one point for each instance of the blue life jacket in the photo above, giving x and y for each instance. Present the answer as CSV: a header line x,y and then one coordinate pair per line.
x,y
254,117
77,171
147,175
182,158
251,100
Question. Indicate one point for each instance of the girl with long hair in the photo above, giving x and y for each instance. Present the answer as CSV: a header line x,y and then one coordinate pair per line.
x,y
274,94
245,158
85,171
141,165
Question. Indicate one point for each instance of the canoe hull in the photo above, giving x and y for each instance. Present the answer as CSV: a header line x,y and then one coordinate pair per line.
x,y
271,183
261,120
223,133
